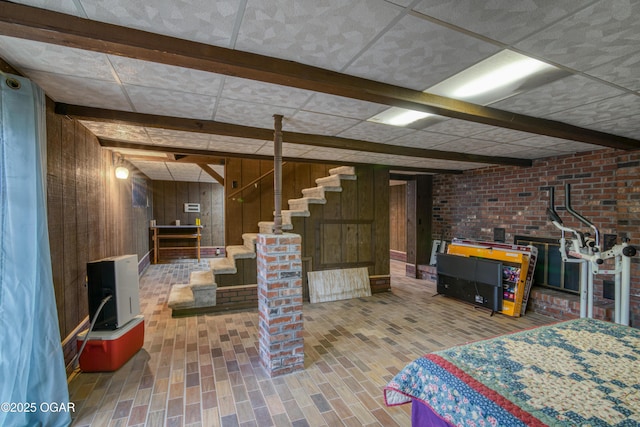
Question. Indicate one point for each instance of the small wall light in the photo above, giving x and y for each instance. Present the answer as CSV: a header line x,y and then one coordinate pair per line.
x,y
122,172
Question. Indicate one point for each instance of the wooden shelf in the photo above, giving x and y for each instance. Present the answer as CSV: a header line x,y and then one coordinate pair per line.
x,y
158,234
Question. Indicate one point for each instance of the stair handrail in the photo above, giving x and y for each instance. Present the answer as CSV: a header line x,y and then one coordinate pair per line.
x,y
258,179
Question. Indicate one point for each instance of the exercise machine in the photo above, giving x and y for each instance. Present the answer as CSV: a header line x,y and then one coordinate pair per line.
x,y
585,249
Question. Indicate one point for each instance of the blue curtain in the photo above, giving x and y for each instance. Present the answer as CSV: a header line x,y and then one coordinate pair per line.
x,y
33,381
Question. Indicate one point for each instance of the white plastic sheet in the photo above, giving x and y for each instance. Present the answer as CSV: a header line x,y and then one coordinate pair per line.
x,y
33,386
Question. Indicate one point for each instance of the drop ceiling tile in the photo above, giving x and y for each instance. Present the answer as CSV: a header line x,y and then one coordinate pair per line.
x,y
197,20
504,20
624,126
458,127
315,123
560,95
151,74
622,71
375,132
344,107
118,132
248,114
175,138
154,170
171,103
540,141
591,114
465,145
63,6
595,35
327,34
264,93
235,145
422,139
54,59
81,90
502,135
502,149
288,150
417,53
539,153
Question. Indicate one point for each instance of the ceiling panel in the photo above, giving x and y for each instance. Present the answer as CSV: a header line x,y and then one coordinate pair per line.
x,y
324,33
411,44
603,32
198,20
504,20
416,53
559,96
154,75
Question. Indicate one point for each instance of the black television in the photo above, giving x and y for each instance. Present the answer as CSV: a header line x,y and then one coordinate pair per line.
x,y
474,280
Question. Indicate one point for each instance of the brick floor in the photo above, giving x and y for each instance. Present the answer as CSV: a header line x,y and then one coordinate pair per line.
x,y
205,370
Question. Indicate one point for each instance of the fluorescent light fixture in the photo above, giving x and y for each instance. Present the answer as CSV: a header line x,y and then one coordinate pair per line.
x,y
399,116
500,76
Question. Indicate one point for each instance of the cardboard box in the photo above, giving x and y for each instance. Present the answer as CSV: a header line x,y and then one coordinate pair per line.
x,y
107,351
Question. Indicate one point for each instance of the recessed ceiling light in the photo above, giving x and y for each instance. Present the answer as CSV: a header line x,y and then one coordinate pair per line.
x,y
500,76
396,116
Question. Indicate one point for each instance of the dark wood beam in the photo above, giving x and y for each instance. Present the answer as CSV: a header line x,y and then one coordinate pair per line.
x,y
213,174
57,28
109,143
228,129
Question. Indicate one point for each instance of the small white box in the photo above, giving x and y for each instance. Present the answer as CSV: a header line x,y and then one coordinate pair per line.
x,y
192,207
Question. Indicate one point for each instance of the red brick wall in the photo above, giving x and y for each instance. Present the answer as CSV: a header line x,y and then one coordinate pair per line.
x,y
605,188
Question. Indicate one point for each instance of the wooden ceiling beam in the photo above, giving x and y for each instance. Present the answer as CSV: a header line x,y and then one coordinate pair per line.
x,y
213,174
109,143
32,23
228,129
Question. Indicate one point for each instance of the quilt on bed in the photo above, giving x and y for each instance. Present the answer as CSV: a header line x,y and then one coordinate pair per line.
x,y
583,372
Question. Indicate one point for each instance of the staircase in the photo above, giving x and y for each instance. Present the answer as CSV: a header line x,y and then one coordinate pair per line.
x,y
235,275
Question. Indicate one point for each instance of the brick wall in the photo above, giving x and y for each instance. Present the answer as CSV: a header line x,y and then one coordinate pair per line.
x,y
605,188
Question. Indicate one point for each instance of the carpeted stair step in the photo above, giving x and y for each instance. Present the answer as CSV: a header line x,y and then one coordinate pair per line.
x,y
223,266
319,192
266,227
240,251
343,170
249,240
303,203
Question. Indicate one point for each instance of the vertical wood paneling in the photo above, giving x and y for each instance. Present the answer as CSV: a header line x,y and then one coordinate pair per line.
x,y
170,202
69,205
182,196
381,224
233,208
398,217
82,213
90,216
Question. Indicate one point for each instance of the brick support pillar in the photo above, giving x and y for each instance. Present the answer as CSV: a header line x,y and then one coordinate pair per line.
x,y
280,303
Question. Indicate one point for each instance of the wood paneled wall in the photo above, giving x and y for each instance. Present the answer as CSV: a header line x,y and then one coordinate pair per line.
x,y
169,198
90,213
255,204
352,229
398,217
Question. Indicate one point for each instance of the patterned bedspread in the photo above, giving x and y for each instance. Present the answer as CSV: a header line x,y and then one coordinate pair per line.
x,y
583,372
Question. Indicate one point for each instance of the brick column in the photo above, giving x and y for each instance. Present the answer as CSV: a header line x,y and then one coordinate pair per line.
x,y
280,303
